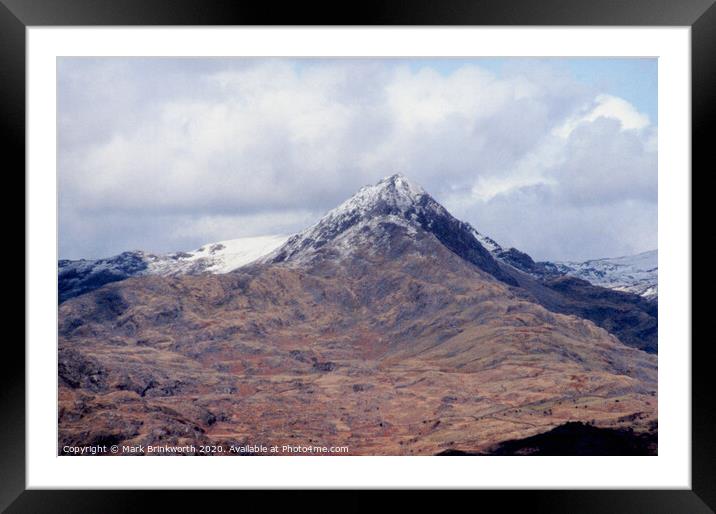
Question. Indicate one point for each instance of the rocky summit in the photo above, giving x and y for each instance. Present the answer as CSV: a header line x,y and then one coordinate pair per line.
x,y
389,327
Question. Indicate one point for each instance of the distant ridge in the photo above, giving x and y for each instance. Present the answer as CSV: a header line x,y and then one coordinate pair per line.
x,y
76,277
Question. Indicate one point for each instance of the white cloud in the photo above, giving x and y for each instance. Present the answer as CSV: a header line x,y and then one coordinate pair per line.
x,y
169,156
606,106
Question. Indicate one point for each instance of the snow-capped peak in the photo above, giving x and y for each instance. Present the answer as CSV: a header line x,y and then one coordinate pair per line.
x,y
394,199
400,183
394,191
378,216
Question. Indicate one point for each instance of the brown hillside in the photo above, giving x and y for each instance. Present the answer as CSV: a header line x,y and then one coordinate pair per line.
x,y
391,349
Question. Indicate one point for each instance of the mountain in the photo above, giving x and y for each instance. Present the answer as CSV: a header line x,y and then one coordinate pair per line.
x,y
395,214
77,277
386,327
373,216
374,212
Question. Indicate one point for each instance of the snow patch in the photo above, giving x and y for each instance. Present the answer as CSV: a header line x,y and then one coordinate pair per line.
x,y
487,242
214,258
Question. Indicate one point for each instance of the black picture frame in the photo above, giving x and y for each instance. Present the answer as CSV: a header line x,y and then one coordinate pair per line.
x,y
17,15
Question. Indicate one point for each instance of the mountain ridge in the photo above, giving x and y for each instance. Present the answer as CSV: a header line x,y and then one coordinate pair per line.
x,y
637,274
76,277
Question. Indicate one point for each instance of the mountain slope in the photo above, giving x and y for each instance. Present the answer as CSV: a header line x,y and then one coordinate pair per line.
x,y
618,295
632,318
374,329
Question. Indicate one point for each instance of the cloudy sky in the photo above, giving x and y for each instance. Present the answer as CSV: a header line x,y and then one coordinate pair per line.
x,y
557,157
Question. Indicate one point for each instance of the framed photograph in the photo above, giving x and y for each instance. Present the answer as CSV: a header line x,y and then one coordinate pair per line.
x,y
444,247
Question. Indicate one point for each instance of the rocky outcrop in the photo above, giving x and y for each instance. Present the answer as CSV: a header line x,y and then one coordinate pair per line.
x,y
76,370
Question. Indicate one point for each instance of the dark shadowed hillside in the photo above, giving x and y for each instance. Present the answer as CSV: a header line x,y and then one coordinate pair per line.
x,y
575,438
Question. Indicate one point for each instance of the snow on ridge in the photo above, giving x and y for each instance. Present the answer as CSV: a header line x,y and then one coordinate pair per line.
x,y
487,242
637,274
643,261
219,257
239,252
632,273
76,277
